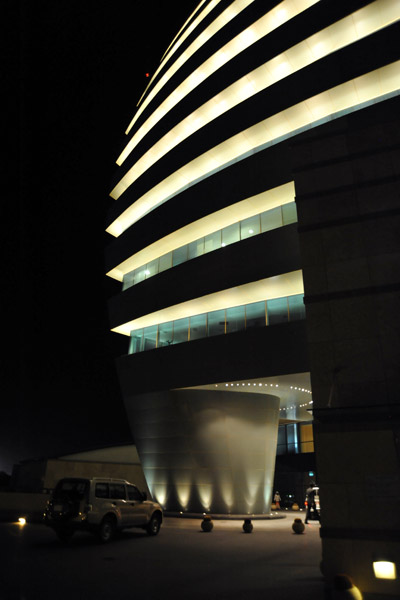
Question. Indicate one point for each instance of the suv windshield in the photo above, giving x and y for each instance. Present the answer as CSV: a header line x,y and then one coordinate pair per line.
x,y
74,488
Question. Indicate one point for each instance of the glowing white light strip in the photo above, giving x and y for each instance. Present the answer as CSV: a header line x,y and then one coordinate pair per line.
x,y
272,20
224,18
249,207
328,104
185,35
342,33
288,284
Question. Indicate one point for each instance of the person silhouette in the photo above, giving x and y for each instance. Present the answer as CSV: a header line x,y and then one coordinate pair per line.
x,y
311,492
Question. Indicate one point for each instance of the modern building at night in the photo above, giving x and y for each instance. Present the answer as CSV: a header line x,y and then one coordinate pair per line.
x,y
256,225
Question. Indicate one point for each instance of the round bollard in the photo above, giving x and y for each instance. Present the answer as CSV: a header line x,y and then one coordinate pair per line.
x,y
344,588
247,526
295,506
207,523
298,526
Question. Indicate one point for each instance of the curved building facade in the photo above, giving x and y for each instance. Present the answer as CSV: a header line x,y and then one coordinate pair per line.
x,y
255,215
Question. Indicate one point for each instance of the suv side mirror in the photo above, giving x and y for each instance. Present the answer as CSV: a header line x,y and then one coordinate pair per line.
x,y
144,496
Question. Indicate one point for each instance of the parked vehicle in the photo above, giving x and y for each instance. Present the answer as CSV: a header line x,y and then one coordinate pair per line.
x,y
101,506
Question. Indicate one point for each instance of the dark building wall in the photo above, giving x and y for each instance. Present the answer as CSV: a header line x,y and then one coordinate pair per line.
x,y
347,193
262,352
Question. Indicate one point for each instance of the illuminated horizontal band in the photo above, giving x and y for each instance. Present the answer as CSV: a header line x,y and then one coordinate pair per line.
x,y
249,207
351,95
265,25
287,284
171,51
364,22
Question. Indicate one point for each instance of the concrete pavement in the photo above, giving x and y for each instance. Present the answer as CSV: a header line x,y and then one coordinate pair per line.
x,y
181,562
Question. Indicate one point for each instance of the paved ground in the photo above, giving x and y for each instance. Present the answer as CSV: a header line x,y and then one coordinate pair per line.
x,y
181,562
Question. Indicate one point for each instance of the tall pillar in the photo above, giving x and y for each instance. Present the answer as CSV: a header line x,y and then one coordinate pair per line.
x,y
347,194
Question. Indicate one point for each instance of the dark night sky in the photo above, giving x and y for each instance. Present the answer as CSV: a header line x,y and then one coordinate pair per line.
x,y
79,69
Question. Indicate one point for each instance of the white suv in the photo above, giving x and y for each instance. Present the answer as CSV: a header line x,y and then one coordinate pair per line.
x,y
101,505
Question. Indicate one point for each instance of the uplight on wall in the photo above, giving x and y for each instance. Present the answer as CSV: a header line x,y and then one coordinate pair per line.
x,y
384,569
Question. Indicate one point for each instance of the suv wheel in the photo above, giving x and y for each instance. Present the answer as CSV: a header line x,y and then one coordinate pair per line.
x,y
154,525
107,529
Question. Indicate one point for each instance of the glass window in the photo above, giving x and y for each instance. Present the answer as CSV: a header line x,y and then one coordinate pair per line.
x,y
179,256
297,309
198,327
149,337
235,319
289,213
101,490
136,341
281,446
181,330
277,311
133,493
140,274
255,314
292,443
152,268
196,248
165,334
271,219
117,491
212,241
249,227
231,234
307,438
216,322
128,280
165,262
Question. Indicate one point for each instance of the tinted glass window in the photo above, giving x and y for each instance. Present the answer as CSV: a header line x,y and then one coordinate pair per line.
x,y
133,493
102,490
136,341
235,319
216,322
289,213
152,268
198,327
71,487
296,307
271,219
277,311
165,262
231,234
181,330
255,314
117,490
150,337
179,256
196,248
165,334
249,227
212,241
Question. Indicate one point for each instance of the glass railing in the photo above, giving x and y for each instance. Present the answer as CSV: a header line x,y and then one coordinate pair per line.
x,y
218,322
265,221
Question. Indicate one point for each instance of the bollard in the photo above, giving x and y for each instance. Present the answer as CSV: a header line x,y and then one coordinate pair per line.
x,y
298,526
247,526
207,523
